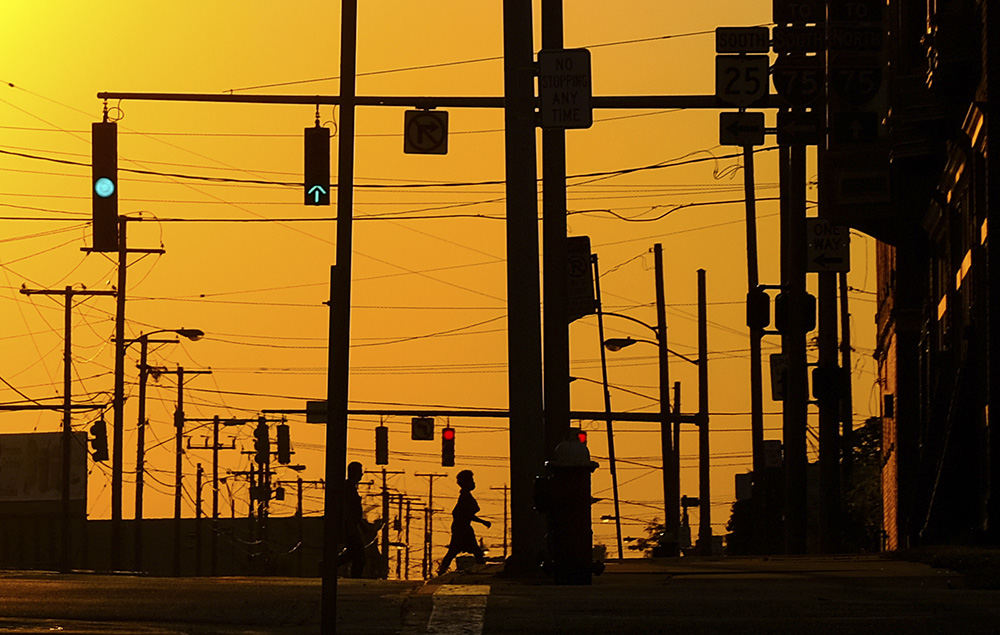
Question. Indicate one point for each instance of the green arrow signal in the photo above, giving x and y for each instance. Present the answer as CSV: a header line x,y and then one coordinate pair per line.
x,y
317,191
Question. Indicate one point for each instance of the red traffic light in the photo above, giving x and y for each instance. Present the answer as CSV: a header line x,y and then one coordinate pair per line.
x,y
582,435
448,434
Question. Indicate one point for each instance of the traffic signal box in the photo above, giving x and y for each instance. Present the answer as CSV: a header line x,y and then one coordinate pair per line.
x,y
99,442
261,443
448,447
104,185
317,166
382,445
284,444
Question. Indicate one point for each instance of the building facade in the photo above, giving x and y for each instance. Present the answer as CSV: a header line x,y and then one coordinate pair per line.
x,y
937,337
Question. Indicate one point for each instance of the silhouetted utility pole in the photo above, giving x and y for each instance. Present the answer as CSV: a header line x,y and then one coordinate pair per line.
x,y
676,467
215,447
338,362
67,432
118,425
300,484
554,257
671,489
385,518
199,473
704,488
426,567
792,178
406,539
180,372
523,327
140,454
826,386
758,316
608,420
846,398
506,489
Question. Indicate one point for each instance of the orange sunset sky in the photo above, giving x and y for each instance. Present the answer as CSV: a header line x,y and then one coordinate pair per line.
x,y
429,315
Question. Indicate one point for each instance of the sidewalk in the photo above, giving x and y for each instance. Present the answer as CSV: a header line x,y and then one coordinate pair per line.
x,y
778,594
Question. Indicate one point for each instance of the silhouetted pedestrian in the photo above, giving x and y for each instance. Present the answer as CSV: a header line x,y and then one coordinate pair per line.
x,y
463,538
354,526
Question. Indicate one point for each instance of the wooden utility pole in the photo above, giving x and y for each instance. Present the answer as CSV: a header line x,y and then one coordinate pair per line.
x,y
385,518
429,523
118,423
608,419
180,372
67,432
704,486
671,489
506,489
846,398
215,447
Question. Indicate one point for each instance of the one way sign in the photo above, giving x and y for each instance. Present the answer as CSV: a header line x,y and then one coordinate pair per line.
x,y
828,247
741,128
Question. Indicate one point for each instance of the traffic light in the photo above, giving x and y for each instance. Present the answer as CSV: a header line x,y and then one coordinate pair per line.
x,y
104,185
448,447
284,444
803,303
317,166
382,445
261,443
581,435
758,309
99,432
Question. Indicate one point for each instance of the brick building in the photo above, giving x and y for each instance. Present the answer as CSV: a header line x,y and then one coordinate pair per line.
x,y
937,337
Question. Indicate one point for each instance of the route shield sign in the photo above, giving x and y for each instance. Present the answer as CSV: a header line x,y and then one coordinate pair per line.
x,y
741,80
425,132
564,89
799,78
828,246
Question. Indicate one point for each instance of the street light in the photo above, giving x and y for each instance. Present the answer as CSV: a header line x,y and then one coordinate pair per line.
x,y
615,344
140,457
670,451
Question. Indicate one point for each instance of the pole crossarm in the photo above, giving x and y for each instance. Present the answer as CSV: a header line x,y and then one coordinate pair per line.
x,y
600,102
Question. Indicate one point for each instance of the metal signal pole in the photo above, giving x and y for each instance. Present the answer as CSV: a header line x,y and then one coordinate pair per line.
x,y
554,257
338,362
524,344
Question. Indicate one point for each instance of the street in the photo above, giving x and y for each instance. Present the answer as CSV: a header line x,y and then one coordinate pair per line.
x,y
847,594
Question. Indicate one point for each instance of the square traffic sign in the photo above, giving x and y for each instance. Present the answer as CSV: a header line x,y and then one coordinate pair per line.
x,y
741,128
425,132
828,246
